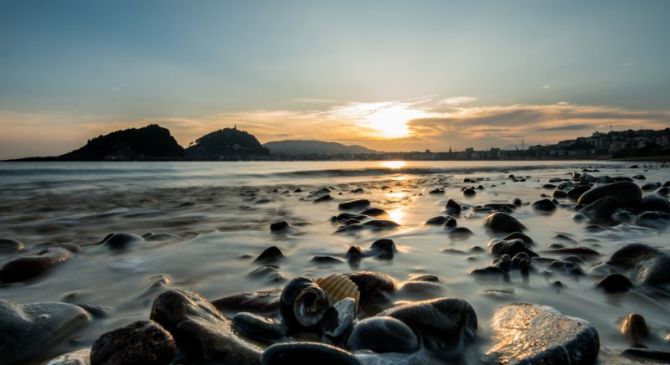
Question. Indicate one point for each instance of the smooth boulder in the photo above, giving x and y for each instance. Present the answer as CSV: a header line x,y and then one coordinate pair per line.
x,y
628,193
503,222
200,330
534,334
382,334
141,342
307,353
28,331
31,266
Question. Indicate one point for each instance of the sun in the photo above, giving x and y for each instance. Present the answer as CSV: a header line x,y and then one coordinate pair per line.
x,y
385,119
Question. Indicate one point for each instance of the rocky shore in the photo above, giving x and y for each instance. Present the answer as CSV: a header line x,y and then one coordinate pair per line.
x,y
519,297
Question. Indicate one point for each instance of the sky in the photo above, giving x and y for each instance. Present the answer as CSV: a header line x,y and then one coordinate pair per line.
x,y
390,75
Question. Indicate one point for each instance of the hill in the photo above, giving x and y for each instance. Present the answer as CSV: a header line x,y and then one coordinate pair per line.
x,y
226,144
152,142
312,147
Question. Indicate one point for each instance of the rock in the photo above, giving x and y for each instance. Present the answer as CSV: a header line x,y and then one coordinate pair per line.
x,y
533,334
416,290
502,222
376,290
326,260
262,302
469,192
453,208
654,202
382,334
628,193
323,199
634,328
10,246
257,329
383,248
648,354
354,204
270,273
348,217
615,283
279,226
644,263
650,186
437,221
142,342
338,321
374,212
576,192
121,241
436,191
519,235
460,233
602,209
509,247
489,272
200,330
544,205
639,177
29,267
380,224
445,326
29,331
270,255
78,357
294,353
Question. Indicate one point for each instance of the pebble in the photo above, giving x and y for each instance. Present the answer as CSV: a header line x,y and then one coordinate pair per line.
x,y
503,222
142,342
382,334
29,267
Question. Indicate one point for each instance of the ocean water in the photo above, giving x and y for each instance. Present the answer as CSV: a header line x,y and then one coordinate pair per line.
x,y
218,216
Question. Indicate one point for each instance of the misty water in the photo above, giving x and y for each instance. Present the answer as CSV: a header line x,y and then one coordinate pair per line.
x,y
217,216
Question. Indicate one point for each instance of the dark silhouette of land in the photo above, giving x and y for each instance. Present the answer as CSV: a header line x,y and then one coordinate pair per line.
x,y
155,143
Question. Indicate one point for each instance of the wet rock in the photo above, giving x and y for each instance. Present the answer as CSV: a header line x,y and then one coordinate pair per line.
x,y
78,357
615,283
10,246
270,255
383,248
502,222
460,233
374,212
445,326
650,186
602,209
521,236
453,208
437,221
121,241
326,260
354,253
142,342
354,204
634,328
544,205
418,290
376,290
469,192
576,192
436,191
262,302
655,202
257,329
349,217
628,193
338,321
490,272
559,194
382,334
655,220
31,266
200,330
509,247
323,199
645,264
279,226
639,177
380,224
270,273
533,334
307,353
648,354
28,331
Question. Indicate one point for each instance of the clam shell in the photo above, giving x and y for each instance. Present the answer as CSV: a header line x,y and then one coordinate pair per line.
x,y
338,287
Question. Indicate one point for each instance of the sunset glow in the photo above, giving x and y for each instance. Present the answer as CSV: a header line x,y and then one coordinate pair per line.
x,y
384,120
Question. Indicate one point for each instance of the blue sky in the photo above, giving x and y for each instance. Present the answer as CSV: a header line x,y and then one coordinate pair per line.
x,y
73,69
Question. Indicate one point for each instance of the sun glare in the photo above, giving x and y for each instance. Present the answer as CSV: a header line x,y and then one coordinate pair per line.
x,y
386,119
394,164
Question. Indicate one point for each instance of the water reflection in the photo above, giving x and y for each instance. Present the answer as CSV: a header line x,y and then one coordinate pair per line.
x,y
397,215
394,164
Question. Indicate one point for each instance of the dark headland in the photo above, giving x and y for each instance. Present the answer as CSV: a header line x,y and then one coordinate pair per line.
x,y
155,143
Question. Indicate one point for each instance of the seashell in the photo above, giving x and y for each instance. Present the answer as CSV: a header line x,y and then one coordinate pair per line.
x,y
338,287
302,303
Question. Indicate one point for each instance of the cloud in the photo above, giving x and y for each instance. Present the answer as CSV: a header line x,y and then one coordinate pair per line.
x,y
458,100
425,123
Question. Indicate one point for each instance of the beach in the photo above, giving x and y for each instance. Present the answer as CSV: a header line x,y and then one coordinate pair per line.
x,y
202,226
